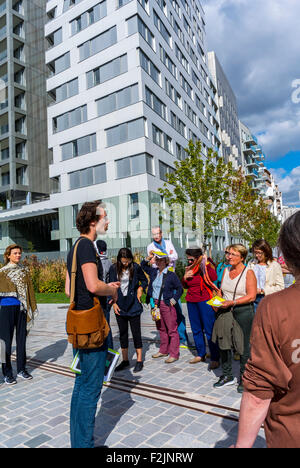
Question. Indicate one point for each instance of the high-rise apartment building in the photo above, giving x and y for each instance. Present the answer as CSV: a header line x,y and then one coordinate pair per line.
x,y
228,112
24,155
129,87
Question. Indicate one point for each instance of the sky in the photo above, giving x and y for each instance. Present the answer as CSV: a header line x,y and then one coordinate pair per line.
x,y
258,45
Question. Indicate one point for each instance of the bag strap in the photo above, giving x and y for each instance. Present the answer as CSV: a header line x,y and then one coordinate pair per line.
x,y
162,288
73,272
238,283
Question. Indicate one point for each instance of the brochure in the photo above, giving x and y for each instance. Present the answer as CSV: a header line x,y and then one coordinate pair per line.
x,y
111,362
216,301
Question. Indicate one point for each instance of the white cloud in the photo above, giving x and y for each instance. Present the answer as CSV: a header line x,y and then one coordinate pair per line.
x,y
289,184
257,43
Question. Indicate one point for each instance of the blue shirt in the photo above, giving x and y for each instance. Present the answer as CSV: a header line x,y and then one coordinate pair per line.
x,y
157,284
9,301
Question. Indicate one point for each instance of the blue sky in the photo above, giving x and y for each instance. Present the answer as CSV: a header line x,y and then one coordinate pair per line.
x,y
257,43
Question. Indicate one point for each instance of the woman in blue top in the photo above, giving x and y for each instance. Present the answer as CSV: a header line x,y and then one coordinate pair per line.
x,y
161,279
18,308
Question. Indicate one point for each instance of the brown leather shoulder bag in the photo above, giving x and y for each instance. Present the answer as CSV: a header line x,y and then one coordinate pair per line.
x,y
86,329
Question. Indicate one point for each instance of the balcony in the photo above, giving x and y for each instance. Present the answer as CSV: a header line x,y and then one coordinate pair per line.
x,y
249,149
253,173
252,164
251,140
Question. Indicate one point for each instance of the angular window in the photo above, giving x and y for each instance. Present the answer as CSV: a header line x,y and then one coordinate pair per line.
x,y
123,98
125,132
107,71
98,43
134,165
79,147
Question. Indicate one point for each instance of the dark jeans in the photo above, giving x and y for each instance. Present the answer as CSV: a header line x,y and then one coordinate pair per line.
x,y
202,320
244,315
86,393
259,297
135,325
109,338
181,324
11,318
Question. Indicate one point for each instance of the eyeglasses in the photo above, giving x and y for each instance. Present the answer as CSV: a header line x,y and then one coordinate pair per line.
x,y
226,253
233,255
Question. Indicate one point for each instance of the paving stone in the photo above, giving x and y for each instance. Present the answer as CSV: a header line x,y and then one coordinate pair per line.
x,y
39,410
36,441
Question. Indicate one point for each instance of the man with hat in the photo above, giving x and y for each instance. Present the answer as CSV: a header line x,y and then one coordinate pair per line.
x,y
165,289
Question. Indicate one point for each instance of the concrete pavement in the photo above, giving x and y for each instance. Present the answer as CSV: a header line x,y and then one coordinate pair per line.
x,y
164,406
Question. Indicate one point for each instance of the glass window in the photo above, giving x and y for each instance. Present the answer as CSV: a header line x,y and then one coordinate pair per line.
x,y
132,25
86,177
74,180
124,97
62,63
149,164
107,104
136,129
138,164
67,151
100,174
123,168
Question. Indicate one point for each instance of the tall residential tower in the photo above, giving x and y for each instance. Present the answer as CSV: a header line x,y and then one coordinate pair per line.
x,y
129,87
24,155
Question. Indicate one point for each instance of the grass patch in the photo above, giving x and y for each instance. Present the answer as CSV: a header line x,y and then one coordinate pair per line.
x,y
61,298
52,298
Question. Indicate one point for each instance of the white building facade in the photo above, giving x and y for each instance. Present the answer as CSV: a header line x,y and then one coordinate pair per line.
x,y
129,87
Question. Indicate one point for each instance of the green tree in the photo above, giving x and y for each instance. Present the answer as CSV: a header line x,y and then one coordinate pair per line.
x,y
250,217
200,180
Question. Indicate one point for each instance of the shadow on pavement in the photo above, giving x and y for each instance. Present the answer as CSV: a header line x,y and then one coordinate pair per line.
x,y
52,352
116,403
231,428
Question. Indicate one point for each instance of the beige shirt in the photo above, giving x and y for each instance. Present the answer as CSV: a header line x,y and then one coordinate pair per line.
x,y
274,277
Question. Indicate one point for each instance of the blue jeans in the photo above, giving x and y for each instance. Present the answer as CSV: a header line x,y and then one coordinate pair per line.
x,y
202,319
181,326
86,393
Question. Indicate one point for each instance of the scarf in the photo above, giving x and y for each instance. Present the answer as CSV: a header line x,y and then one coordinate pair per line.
x,y
161,246
199,266
16,282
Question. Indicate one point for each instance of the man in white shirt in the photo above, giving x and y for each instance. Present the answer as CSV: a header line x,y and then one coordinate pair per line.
x,y
167,247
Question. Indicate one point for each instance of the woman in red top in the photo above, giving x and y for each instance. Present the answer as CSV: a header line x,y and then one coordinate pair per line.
x,y
197,280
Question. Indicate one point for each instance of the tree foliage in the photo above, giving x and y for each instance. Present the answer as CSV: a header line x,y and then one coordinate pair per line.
x,y
224,192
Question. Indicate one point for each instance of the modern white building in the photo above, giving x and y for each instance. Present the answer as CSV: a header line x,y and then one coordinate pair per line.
x,y
129,87
228,113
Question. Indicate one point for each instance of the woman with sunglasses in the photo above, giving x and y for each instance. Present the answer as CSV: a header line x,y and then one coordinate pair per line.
x,y
198,276
238,288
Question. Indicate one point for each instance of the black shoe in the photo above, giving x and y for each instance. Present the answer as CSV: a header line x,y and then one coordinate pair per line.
x,y
138,367
122,366
224,381
9,380
25,375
